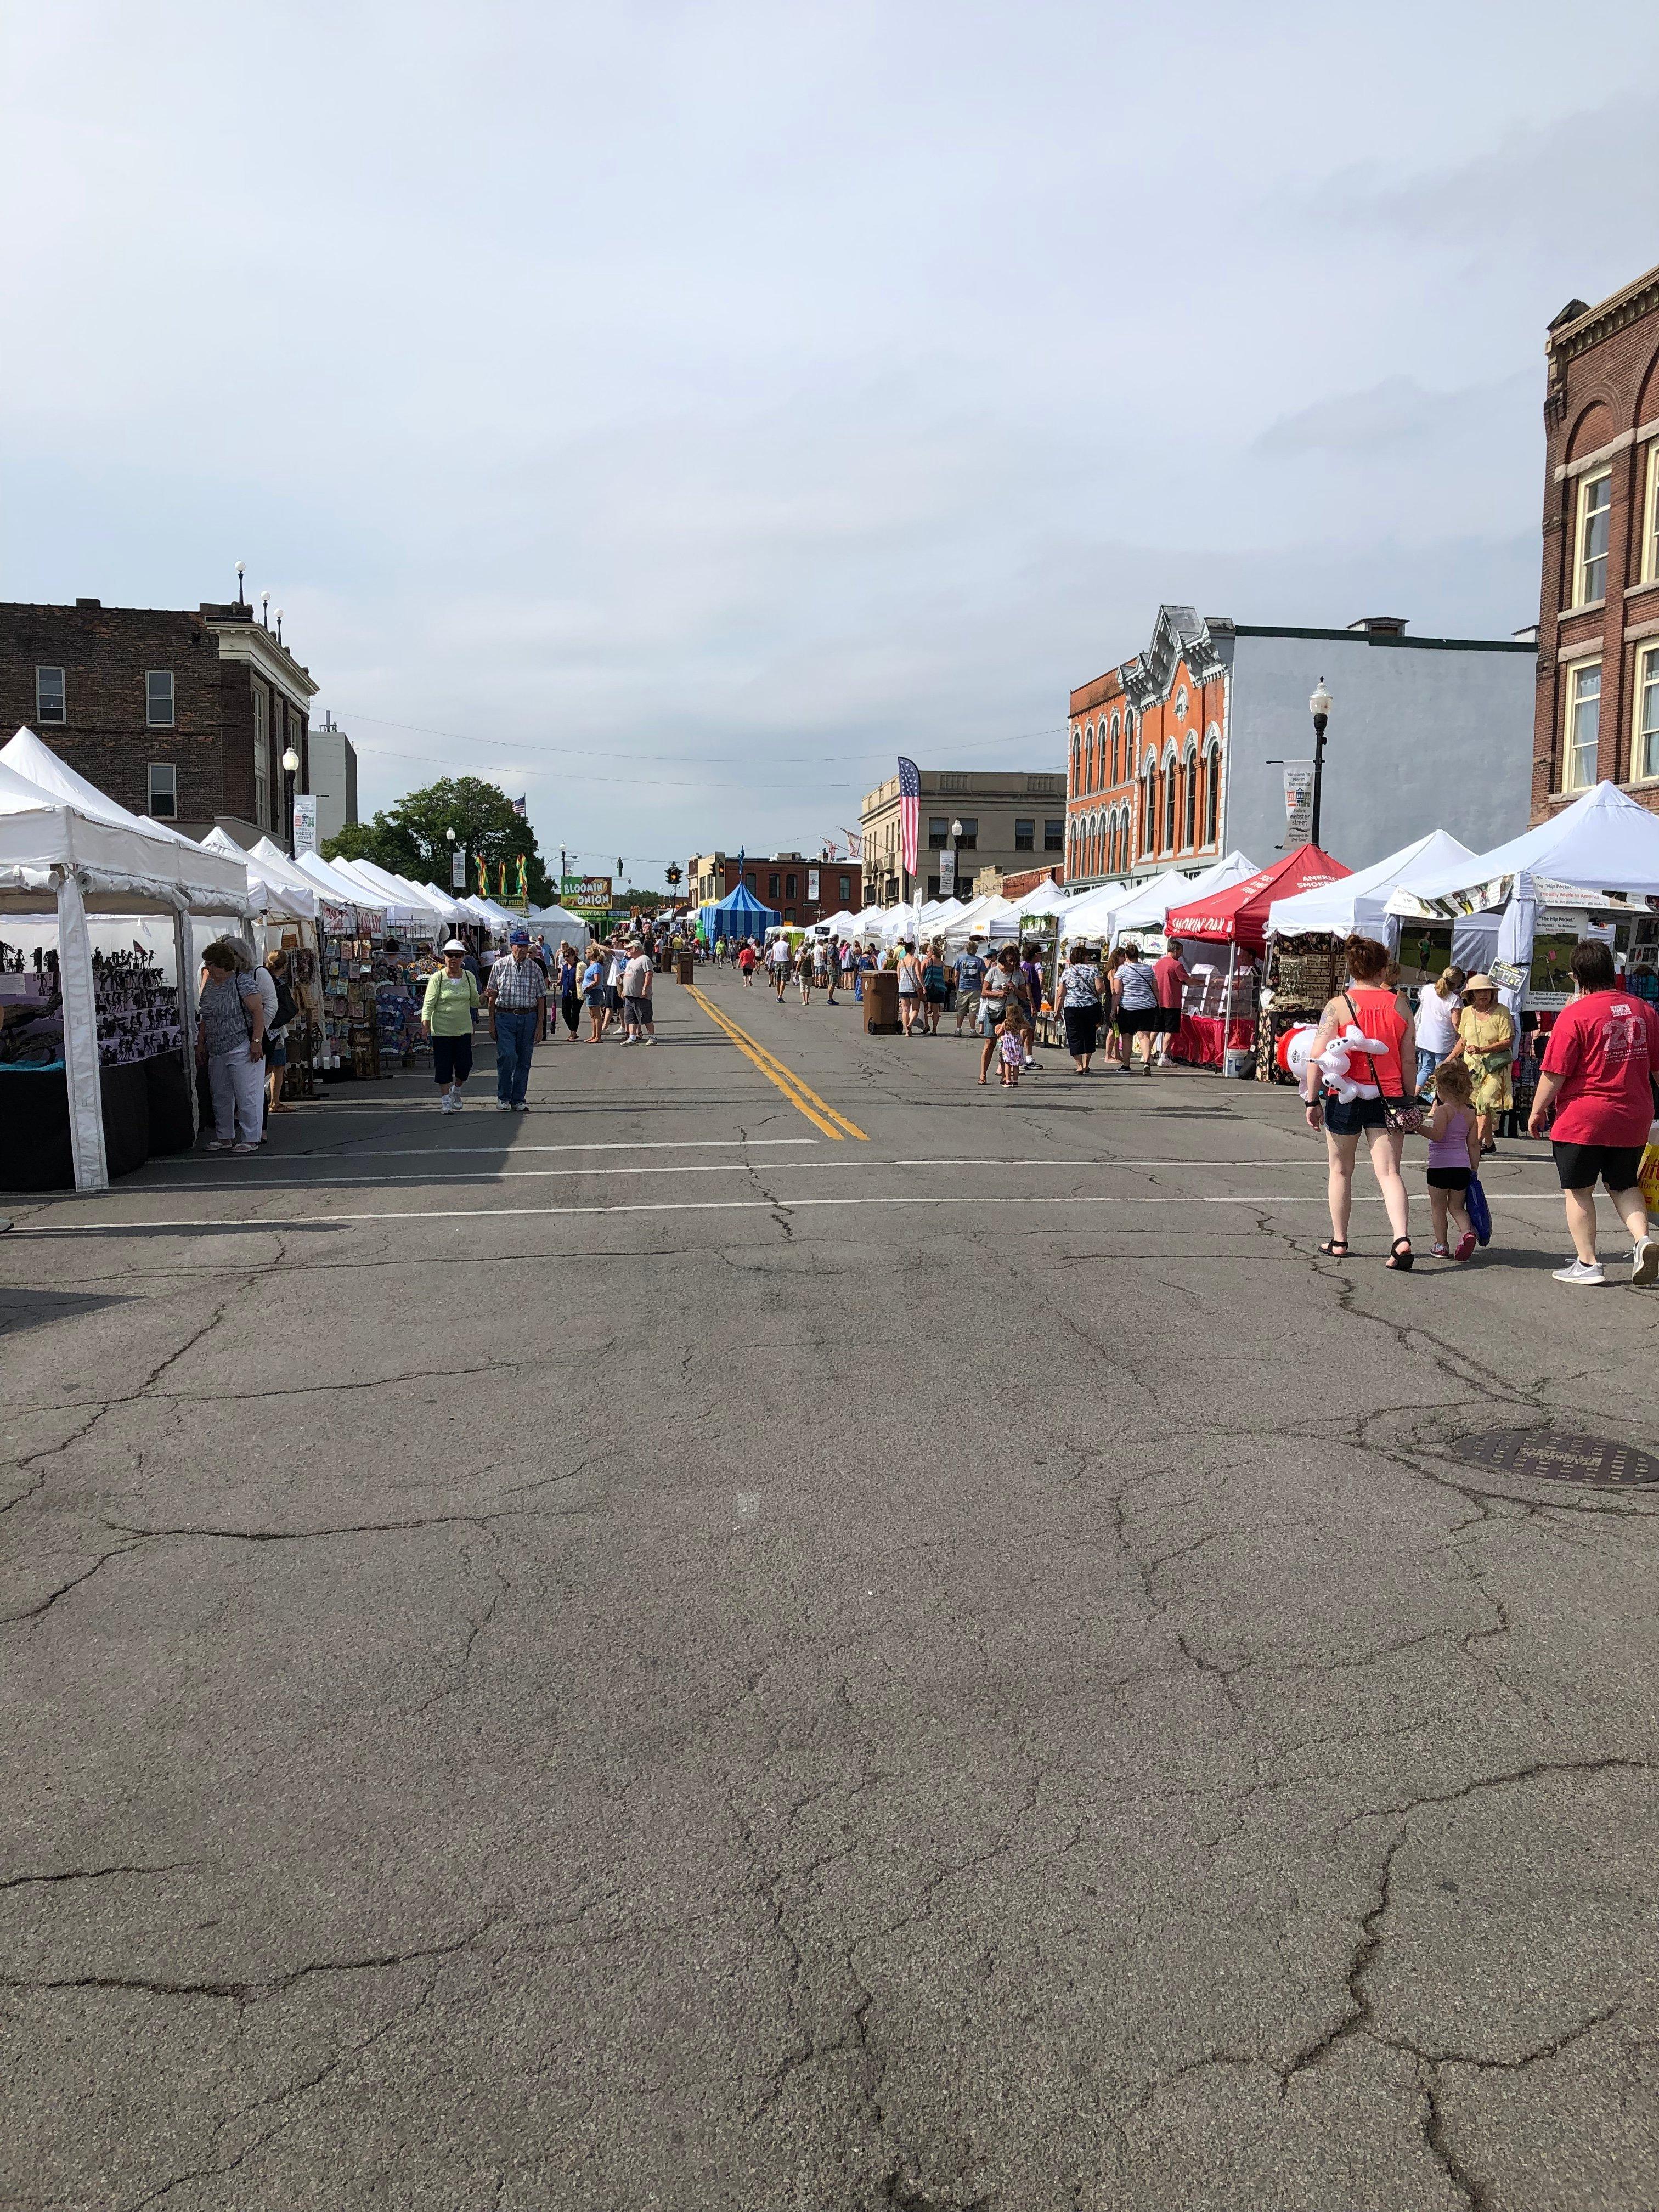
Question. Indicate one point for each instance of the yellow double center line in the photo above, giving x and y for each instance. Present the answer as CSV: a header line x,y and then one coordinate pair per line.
x,y
801,1096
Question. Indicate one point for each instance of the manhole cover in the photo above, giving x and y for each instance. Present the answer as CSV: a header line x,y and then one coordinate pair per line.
x,y
1550,1456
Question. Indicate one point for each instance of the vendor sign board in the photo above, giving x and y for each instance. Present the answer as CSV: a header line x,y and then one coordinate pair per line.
x,y
305,823
1298,803
583,894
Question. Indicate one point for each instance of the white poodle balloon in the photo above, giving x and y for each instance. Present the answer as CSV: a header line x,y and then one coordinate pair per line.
x,y
1337,1056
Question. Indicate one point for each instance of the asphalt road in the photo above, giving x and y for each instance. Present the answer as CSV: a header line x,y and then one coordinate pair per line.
x,y
660,1654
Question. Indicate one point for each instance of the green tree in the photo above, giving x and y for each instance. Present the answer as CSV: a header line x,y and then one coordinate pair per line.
x,y
480,815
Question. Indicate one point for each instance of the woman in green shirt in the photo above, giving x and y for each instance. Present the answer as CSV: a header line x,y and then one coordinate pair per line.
x,y
446,1011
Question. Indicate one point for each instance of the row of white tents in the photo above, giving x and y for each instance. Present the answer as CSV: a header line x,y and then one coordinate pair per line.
x,y
69,854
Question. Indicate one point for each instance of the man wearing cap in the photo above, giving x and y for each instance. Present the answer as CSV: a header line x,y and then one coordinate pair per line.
x,y
446,1011
516,995
638,1027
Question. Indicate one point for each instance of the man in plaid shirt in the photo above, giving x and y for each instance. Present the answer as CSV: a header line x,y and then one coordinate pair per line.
x,y
516,995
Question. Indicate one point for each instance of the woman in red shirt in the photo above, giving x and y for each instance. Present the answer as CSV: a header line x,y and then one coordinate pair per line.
x,y
1368,1005
1598,1074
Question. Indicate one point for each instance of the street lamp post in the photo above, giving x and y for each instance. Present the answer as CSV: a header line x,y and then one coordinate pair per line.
x,y
291,769
1319,706
956,850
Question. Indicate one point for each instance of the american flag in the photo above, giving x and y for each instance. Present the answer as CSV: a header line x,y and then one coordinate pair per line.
x,y
910,813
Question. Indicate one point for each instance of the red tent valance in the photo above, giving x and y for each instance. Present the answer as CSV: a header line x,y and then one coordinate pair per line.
x,y
1238,916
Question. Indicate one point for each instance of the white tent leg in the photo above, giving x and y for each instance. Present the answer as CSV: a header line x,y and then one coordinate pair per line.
x,y
1515,935
187,1015
1227,1004
85,1103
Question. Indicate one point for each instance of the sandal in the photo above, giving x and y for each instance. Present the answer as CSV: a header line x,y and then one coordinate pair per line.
x,y
1335,1248
1400,1255
1466,1244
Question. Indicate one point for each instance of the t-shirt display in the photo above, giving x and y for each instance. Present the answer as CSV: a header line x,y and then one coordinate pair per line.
x,y
1604,1046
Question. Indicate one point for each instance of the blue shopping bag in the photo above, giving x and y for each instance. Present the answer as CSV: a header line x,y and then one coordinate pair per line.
x,y
1479,1211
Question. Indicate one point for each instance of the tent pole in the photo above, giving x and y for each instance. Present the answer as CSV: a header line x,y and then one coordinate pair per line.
x,y
1227,1003
186,1015
80,1056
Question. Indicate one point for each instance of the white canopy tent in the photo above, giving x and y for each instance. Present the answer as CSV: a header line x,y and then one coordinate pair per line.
x,y
270,894
1044,898
1359,903
844,924
499,919
989,916
447,904
68,851
558,924
404,909
345,891
1604,842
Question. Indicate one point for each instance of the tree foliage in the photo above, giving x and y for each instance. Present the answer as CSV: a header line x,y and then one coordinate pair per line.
x,y
409,837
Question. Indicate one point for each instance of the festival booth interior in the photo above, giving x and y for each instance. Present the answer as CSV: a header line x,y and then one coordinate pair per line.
x,y
289,912
1585,867
740,914
1219,1013
96,1056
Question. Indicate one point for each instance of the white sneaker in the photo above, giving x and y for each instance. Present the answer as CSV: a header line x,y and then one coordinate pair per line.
x,y
503,1105
1581,1274
456,1101
1645,1261
651,1040
446,1104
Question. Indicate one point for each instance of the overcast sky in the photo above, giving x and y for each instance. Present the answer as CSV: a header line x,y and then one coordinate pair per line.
x,y
673,411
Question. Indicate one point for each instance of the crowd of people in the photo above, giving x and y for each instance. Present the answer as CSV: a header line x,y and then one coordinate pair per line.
x,y
1596,1098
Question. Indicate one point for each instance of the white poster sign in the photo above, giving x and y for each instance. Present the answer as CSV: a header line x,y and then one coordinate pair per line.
x,y
458,876
1298,803
304,821
812,885
947,875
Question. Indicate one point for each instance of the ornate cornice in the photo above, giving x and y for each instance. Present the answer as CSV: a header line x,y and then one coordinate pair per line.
x,y
1615,313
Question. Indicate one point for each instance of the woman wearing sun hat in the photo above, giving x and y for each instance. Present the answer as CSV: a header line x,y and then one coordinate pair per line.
x,y
1486,1044
446,1011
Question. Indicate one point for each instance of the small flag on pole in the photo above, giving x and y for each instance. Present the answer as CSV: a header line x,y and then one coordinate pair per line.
x,y
909,812
519,805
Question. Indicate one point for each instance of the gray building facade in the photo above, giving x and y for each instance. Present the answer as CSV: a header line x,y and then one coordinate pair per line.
x,y
1174,754
333,779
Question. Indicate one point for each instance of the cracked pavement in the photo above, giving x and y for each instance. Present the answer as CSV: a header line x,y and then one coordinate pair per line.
x,y
717,1669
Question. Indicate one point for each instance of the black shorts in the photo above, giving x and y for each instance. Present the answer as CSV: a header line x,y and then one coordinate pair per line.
x,y
1579,1165
1133,1019
936,994
1347,1119
1449,1178
1082,1029
452,1059
1169,1020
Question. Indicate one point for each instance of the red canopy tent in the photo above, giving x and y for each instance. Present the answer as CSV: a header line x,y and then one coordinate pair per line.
x,y
1238,916
1233,917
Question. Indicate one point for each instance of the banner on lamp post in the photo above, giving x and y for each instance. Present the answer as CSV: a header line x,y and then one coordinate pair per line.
x,y
947,874
304,821
1298,803
457,868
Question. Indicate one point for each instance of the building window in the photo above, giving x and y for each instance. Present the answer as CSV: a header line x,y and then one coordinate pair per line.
x,y
1077,757
968,841
1149,808
1089,758
939,832
749,879
1053,832
789,886
1190,820
158,698
1114,729
1025,833
1212,796
1584,724
1168,805
261,756
51,701
771,887
1650,520
1645,751
1595,518
846,889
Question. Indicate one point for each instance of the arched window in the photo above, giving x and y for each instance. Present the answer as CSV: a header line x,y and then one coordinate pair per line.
x,y
1149,807
1118,856
1189,795
1168,805
1077,756
1089,758
1115,727
1212,793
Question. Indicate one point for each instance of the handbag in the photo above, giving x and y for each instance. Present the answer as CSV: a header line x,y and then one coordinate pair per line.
x,y
1480,1213
1402,1114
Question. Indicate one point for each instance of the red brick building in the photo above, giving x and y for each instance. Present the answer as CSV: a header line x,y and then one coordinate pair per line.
x,y
1598,620
801,890
1145,770
182,716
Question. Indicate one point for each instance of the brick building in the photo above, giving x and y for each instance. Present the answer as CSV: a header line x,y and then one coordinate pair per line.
x,y
1010,821
800,890
1175,754
1598,619
183,716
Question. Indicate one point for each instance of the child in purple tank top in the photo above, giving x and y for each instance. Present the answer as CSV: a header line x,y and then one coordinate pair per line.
x,y
1454,1156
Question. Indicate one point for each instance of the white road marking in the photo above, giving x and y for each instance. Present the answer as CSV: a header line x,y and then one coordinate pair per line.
x,y
480,1152
277,1223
